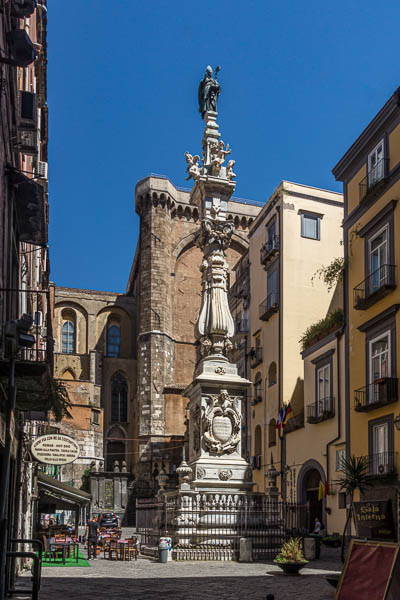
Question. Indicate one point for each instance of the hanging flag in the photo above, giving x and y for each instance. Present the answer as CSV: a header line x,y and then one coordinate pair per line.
x,y
321,490
326,488
281,416
288,414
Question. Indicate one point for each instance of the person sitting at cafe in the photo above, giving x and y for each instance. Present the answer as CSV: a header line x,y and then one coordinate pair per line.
x,y
91,533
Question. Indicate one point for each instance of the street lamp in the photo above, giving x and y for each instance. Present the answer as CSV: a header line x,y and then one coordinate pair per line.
x,y
397,422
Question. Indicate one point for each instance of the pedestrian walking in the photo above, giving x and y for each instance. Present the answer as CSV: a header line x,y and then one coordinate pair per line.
x,y
91,534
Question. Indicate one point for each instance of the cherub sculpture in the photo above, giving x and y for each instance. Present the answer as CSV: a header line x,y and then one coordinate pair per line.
x,y
218,156
229,170
193,168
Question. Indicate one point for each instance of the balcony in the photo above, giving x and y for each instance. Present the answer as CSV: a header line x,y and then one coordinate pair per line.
x,y
256,357
269,306
322,410
375,286
296,422
382,464
380,393
269,249
242,326
16,302
375,181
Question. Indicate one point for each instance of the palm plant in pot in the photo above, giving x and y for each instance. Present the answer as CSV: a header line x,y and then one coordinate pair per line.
x,y
291,558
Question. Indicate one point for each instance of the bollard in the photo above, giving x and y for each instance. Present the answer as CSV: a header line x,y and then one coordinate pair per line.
x,y
246,550
309,548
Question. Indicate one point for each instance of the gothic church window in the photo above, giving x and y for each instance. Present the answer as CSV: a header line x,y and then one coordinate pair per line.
x,y
68,337
119,399
113,340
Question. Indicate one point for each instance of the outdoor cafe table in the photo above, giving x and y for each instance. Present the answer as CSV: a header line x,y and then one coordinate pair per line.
x,y
53,545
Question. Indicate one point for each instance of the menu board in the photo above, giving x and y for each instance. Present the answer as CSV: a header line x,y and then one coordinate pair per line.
x,y
370,572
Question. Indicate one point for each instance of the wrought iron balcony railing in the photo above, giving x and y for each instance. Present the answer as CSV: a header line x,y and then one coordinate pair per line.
x,y
375,180
296,422
16,302
269,249
269,306
321,410
375,286
381,464
379,393
256,356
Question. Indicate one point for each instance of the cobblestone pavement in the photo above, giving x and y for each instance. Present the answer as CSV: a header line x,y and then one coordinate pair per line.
x,y
147,579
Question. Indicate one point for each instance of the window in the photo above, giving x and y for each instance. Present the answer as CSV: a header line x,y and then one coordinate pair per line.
x,y
257,389
342,500
119,398
68,337
381,444
272,433
324,388
96,417
257,441
271,236
378,259
113,340
340,458
310,226
272,374
376,164
379,357
272,288
115,452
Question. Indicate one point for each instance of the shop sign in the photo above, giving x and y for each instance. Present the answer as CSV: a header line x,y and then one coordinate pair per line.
x,y
55,449
375,520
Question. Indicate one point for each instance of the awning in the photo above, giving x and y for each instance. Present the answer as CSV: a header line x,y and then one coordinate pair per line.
x,y
62,491
30,203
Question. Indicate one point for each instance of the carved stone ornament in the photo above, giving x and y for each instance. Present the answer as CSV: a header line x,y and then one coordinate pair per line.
x,y
221,424
215,232
220,371
201,473
195,420
218,156
193,167
225,474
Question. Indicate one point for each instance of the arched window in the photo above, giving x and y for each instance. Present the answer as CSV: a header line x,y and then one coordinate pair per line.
x,y
257,440
68,337
113,340
272,433
119,398
257,389
115,451
272,374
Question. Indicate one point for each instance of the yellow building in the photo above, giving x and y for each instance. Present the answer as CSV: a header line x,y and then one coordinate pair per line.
x,y
370,172
297,231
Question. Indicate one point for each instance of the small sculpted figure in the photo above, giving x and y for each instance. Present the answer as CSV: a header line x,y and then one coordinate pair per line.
x,y
209,90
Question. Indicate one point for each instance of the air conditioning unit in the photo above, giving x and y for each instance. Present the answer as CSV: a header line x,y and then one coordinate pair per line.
x,y
42,169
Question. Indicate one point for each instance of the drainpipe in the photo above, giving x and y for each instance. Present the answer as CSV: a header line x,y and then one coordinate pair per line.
x,y
339,402
283,439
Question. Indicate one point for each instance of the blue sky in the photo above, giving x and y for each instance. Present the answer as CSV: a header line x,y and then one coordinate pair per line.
x,y
300,80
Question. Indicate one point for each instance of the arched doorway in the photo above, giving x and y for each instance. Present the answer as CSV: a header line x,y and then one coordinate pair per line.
x,y
310,476
311,487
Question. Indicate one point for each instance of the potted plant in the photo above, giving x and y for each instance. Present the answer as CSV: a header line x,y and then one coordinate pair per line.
x,y
291,558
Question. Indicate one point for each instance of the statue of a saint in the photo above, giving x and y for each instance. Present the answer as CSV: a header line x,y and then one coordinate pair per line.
x,y
209,90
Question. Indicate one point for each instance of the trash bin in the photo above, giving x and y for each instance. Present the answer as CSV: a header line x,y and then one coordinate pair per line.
x,y
309,548
163,552
318,539
168,540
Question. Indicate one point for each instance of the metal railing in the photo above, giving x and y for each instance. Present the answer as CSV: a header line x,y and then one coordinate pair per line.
x,y
36,303
374,286
321,410
375,179
380,392
208,526
269,249
269,306
256,356
383,463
